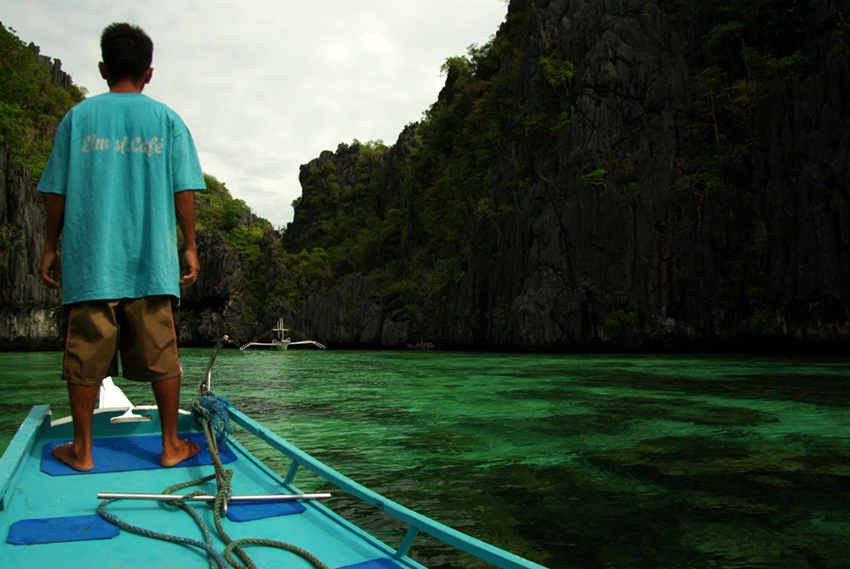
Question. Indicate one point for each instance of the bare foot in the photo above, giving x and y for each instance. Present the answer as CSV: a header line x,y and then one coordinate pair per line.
x,y
176,455
68,454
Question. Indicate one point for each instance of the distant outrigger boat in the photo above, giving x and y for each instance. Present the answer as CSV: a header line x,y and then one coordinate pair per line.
x,y
280,341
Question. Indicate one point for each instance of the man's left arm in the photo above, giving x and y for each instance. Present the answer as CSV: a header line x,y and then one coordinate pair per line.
x,y
51,265
184,207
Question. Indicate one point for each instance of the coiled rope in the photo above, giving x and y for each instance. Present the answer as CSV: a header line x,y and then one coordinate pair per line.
x,y
209,414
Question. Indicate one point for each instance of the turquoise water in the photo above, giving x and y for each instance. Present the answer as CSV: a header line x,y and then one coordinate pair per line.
x,y
571,461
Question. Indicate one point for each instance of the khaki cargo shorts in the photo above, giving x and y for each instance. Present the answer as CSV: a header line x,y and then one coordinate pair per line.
x,y
141,329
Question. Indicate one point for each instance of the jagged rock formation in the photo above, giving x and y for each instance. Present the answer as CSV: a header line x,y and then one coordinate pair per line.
x,y
627,260
349,315
616,243
54,66
213,306
30,313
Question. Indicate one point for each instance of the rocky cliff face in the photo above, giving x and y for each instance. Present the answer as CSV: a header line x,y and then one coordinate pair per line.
x,y
646,257
213,306
54,66
608,231
30,313
614,259
619,242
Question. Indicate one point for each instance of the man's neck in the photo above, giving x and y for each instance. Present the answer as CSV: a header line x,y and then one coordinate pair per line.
x,y
127,86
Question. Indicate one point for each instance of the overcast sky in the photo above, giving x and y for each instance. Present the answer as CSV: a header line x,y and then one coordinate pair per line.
x,y
266,85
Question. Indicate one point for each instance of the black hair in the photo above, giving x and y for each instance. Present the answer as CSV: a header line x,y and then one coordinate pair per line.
x,y
127,51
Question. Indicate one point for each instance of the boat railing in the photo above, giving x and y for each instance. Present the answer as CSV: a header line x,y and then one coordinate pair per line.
x,y
417,522
19,449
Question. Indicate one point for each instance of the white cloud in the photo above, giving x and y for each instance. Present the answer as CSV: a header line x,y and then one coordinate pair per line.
x,y
266,86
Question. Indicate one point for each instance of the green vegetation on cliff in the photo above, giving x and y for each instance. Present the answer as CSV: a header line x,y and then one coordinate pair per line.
x,y
748,45
30,105
457,168
407,238
217,209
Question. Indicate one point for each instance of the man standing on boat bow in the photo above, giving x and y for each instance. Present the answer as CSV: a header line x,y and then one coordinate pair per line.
x,y
119,180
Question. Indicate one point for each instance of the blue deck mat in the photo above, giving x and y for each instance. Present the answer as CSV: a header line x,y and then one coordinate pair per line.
x,y
374,564
54,530
121,454
247,511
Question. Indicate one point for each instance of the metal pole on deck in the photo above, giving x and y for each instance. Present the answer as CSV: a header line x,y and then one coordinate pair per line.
x,y
209,498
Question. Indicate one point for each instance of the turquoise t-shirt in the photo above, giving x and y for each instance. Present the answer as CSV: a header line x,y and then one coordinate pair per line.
x,y
119,158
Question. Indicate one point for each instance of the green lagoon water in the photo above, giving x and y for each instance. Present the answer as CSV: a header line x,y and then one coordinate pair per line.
x,y
571,461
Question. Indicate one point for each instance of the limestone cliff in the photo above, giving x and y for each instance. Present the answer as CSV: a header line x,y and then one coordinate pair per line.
x,y
609,230
30,313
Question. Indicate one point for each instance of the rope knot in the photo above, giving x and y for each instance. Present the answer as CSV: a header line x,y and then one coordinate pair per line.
x,y
213,408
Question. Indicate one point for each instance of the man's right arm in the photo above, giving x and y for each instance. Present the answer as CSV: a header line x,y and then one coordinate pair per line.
x,y
51,265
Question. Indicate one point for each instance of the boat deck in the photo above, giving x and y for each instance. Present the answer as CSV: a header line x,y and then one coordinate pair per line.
x,y
34,494
27,492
